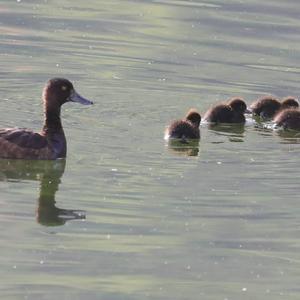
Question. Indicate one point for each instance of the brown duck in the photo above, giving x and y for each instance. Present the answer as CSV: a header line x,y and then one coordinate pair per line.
x,y
231,111
288,119
187,128
268,106
50,143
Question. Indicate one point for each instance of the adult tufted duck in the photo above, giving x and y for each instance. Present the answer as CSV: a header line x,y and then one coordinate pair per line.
x,y
50,143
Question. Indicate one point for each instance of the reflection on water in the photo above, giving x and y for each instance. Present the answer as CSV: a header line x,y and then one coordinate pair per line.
x,y
289,136
270,129
183,148
236,129
49,174
234,132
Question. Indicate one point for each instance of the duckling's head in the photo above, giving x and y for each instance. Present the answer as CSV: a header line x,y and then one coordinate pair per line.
x,y
289,102
238,105
194,117
59,91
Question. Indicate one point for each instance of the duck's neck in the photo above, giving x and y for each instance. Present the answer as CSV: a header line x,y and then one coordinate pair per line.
x,y
53,130
52,123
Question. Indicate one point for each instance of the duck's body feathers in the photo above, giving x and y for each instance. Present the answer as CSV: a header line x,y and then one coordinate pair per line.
x,y
24,144
231,111
23,137
183,129
223,113
288,119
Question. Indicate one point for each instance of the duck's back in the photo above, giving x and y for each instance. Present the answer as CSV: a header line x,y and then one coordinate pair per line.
x,y
265,107
219,114
182,129
23,144
288,119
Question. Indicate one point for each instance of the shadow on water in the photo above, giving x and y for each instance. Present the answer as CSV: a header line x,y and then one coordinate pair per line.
x,y
49,174
183,148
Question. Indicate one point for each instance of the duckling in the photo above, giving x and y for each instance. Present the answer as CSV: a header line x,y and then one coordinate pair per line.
x,y
289,102
288,119
187,128
230,112
268,106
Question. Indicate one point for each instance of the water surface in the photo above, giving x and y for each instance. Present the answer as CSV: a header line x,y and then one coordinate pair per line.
x,y
126,216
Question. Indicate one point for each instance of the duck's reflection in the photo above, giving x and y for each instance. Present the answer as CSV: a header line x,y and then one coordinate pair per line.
x,y
289,136
49,174
286,136
184,148
234,132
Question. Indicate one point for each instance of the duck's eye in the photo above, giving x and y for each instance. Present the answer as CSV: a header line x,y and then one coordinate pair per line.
x,y
64,88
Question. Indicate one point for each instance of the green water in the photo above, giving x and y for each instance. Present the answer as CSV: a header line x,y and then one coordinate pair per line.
x,y
126,216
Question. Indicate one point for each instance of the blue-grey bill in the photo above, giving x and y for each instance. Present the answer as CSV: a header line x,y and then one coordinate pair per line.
x,y
75,97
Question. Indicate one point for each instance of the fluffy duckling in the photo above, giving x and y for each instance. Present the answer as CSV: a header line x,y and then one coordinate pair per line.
x,y
288,119
268,106
187,128
230,112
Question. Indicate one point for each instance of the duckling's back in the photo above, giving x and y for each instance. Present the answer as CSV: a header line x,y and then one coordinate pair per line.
x,y
183,129
221,113
288,119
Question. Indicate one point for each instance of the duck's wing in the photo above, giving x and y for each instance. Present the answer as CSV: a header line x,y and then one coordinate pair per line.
x,y
23,138
23,143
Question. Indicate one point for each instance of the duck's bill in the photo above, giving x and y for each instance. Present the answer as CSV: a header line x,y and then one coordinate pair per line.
x,y
75,97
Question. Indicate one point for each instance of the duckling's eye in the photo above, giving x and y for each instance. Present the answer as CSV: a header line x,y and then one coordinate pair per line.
x,y
64,88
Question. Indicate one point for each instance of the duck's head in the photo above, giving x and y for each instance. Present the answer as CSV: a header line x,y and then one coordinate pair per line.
x,y
238,105
194,117
289,102
59,91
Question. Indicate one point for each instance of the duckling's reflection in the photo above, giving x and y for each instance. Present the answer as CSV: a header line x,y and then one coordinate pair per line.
x,y
49,174
184,147
289,136
234,132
